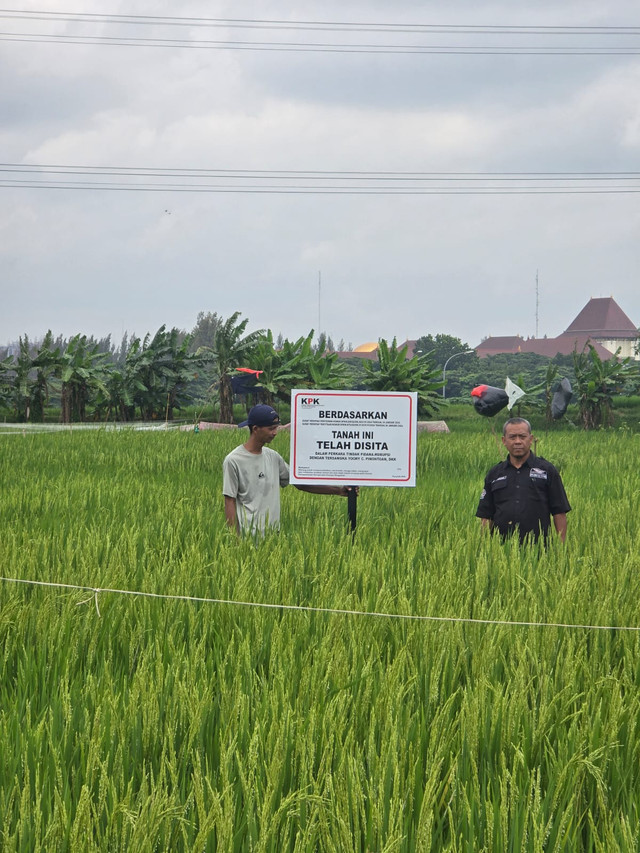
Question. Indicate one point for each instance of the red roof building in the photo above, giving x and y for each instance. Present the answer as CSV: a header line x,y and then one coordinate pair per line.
x,y
601,323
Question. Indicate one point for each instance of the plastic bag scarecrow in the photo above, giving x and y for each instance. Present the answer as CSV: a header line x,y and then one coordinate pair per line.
x,y
489,400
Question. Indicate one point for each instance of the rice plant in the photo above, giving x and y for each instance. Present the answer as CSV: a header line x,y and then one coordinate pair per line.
x,y
168,722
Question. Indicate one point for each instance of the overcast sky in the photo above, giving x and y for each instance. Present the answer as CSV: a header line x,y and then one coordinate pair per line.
x,y
360,266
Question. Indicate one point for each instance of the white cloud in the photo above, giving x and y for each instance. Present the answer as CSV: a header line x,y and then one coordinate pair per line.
x,y
391,265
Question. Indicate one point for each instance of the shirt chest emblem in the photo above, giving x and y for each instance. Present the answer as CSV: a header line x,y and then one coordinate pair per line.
x,y
538,474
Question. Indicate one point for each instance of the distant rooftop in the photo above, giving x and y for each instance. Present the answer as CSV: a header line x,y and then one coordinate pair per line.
x,y
549,347
603,317
601,321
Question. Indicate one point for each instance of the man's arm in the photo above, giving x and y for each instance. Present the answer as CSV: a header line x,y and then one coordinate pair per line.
x,y
558,504
560,523
341,491
230,513
486,507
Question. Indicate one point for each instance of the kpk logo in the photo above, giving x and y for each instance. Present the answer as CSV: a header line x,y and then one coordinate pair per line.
x,y
309,401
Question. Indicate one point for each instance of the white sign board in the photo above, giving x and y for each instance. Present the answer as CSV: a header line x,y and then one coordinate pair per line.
x,y
357,438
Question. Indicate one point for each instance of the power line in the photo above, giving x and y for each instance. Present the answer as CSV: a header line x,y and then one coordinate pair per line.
x,y
317,190
301,47
282,181
152,171
338,27
348,26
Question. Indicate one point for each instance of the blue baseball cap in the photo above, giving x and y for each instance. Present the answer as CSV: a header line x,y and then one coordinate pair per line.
x,y
261,415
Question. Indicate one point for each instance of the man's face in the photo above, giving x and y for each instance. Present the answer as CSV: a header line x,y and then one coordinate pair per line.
x,y
517,439
266,434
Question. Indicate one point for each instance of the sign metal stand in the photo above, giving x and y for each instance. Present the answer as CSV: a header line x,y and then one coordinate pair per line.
x,y
352,507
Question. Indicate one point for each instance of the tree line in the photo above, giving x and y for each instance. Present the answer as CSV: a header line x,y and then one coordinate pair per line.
x,y
219,362
151,378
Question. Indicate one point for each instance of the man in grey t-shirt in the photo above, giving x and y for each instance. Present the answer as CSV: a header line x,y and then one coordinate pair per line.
x,y
253,474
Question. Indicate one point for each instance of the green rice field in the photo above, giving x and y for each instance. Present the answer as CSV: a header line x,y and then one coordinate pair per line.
x,y
505,718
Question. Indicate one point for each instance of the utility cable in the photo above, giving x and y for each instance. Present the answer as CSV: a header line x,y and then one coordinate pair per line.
x,y
319,47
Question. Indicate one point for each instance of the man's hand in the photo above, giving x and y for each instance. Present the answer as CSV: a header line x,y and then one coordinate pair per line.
x,y
344,491
230,514
341,491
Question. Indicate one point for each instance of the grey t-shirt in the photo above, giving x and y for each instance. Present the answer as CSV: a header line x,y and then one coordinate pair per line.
x,y
254,480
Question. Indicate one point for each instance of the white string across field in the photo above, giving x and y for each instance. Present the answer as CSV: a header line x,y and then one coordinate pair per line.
x,y
303,608
138,426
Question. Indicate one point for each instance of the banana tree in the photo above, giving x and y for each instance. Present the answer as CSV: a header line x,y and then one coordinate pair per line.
x,y
395,372
83,374
46,364
295,364
597,382
325,370
7,371
279,370
117,401
231,349
31,378
23,365
156,374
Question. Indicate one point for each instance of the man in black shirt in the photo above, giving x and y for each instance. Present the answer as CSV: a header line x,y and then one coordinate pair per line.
x,y
521,493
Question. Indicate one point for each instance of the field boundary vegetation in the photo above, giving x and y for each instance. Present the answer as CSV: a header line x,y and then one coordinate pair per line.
x,y
219,369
